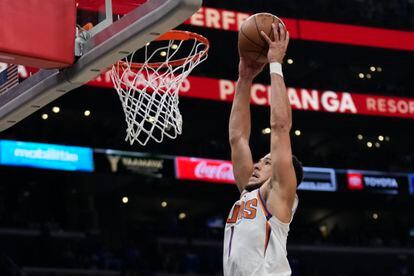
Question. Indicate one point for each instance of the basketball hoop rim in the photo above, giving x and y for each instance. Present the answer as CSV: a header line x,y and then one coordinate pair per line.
x,y
174,35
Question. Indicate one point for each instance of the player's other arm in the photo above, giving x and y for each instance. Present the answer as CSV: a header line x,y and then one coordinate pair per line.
x,y
282,185
239,123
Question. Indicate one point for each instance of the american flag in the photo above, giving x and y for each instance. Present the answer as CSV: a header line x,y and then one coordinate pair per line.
x,y
8,77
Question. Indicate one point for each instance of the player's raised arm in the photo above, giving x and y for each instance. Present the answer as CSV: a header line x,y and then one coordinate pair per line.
x,y
239,123
282,186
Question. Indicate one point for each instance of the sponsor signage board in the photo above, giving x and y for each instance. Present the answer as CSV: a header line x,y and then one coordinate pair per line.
x,y
46,156
191,168
220,171
376,182
412,184
310,30
304,99
318,179
125,162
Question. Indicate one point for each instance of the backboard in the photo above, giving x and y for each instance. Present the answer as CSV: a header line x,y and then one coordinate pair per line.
x,y
102,13
116,28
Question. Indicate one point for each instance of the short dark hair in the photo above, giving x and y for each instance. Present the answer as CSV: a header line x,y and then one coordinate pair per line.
x,y
298,170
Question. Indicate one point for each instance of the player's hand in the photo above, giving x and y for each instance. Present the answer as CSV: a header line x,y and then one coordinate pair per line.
x,y
249,69
278,47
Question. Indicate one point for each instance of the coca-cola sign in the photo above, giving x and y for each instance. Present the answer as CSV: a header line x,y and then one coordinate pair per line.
x,y
217,171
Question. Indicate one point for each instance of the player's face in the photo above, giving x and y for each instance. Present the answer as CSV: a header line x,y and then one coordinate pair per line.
x,y
262,171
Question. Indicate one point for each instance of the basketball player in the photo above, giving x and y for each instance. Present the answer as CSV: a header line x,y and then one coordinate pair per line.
x,y
258,224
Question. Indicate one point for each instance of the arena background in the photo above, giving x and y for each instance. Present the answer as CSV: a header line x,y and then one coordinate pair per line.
x,y
157,210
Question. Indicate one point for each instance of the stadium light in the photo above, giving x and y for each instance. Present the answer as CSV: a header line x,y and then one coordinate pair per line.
x,y
266,130
324,230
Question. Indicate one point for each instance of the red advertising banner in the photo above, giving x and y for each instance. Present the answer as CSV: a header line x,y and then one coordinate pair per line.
x,y
209,170
300,98
230,20
311,30
327,32
355,35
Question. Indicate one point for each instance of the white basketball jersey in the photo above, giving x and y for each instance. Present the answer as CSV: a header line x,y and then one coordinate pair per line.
x,y
254,240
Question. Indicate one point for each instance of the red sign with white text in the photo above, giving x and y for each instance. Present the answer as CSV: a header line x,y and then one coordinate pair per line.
x,y
300,98
311,30
355,181
217,171
326,32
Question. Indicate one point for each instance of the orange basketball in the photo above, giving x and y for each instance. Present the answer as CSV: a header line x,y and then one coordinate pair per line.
x,y
251,43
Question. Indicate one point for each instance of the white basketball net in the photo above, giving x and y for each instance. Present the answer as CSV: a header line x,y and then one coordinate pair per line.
x,y
149,96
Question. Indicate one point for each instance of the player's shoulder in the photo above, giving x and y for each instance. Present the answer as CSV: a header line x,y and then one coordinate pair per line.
x,y
247,193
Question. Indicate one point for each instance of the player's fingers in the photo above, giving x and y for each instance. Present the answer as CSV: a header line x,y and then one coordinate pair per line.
x,y
287,38
276,31
282,32
268,40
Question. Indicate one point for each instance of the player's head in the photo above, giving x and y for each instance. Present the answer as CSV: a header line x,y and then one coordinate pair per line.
x,y
262,171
